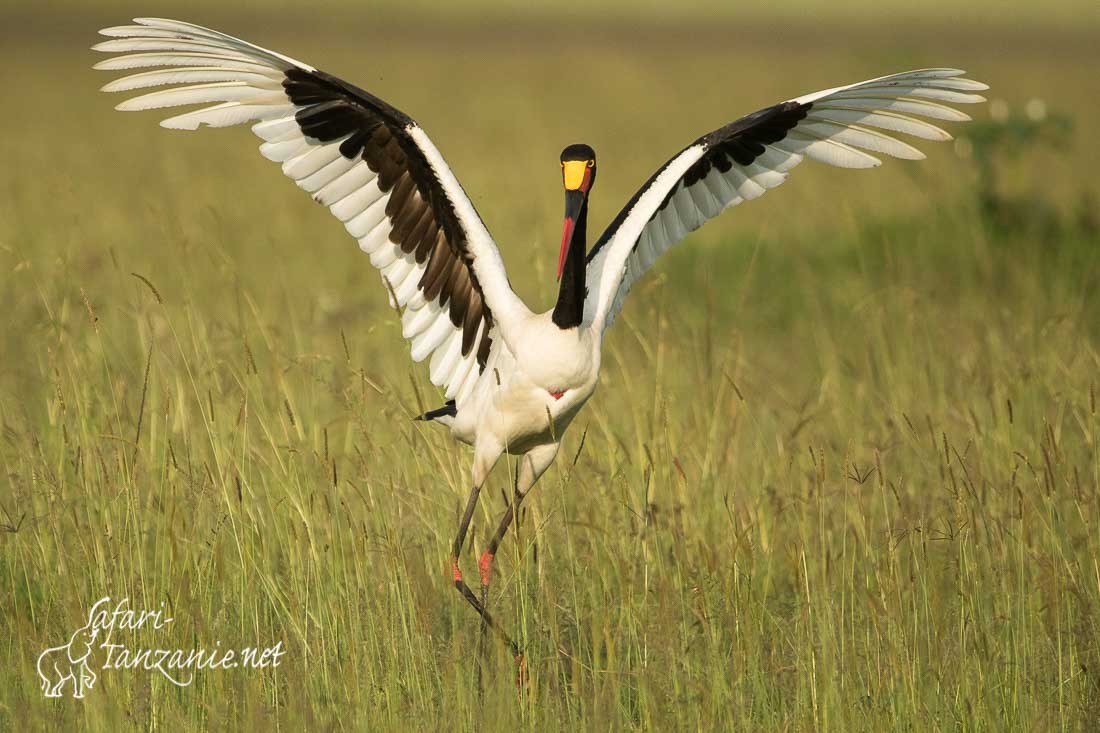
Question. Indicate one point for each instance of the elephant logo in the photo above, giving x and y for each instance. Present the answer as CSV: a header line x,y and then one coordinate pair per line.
x,y
60,664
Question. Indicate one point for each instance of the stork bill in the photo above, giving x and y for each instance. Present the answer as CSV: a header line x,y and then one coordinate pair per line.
x,y
513,379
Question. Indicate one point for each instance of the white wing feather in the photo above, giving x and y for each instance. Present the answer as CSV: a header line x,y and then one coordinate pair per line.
x,y
240,82
843,127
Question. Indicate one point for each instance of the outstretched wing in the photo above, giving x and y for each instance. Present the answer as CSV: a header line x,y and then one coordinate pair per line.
x,y
369,163
747,157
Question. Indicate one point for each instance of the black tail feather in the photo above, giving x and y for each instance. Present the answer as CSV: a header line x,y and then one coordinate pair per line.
x,y
448,410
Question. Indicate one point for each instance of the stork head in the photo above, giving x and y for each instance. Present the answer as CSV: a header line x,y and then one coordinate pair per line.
x,y
578,172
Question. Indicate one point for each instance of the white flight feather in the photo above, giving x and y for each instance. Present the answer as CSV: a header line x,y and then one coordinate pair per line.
x,y
843,126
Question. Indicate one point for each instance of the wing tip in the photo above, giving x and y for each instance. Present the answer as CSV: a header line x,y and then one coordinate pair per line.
x,y
178,123
115,85
974,84
152,22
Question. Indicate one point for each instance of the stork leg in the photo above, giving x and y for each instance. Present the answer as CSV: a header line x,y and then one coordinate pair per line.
x,y
485,568
460,584
485,562
532,465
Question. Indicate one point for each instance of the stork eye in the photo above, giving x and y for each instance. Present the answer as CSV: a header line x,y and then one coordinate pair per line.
x,y
591,164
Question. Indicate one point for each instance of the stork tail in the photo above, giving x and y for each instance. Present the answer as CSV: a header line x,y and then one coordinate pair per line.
x,y
448,410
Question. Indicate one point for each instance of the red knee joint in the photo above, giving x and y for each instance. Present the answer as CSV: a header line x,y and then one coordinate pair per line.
x,y
454,569
485,566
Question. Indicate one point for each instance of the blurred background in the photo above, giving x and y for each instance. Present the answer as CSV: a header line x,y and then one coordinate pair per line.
x,y
842,467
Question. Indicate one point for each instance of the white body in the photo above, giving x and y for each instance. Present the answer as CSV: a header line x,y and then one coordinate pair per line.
x,y
513,408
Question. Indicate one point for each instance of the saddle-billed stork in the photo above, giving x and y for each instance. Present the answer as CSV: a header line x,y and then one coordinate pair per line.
x,y
513,379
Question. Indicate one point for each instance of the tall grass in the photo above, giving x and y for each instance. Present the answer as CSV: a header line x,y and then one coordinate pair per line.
x,y
841,471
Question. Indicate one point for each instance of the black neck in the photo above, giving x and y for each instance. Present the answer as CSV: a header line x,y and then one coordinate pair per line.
x,y
569,310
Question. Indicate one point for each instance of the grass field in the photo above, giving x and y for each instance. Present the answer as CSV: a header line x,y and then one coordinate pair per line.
x,y
842,471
